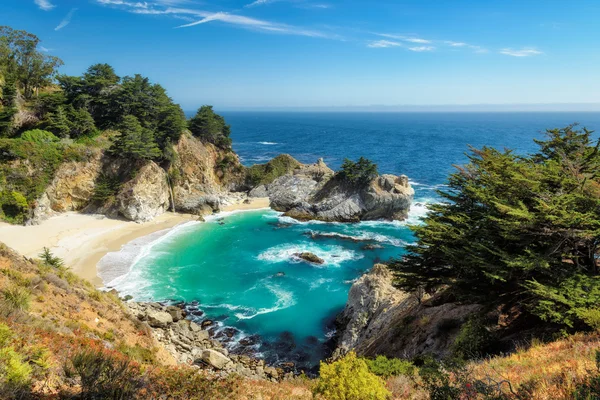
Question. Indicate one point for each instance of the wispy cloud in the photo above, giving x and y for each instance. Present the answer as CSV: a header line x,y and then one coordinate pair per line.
x,y
66,20
422,48
44,4
455,44
380,44
44,49
524,52
258,3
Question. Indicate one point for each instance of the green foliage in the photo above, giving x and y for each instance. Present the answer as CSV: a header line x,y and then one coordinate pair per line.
x,y
138,353
473,339
210,127
106,188
387,367
6,335
350,378
263,174
359,172
15,298
134,141
517,230
14,206
39,136
103,376
20,59
50,259
15,372
8,107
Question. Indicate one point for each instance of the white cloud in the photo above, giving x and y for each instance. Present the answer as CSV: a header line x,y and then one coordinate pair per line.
x,y
380,44
422,48
44,49
524,52
66,20
455,44
44,4
417,40
258,3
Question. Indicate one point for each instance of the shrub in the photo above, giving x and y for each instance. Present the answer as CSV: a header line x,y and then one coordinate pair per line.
x,y
14,206
14,371
16,298
39,136
50,260
6,335
262,174
349,378
359,172
386,367
473,339
103,376
138,353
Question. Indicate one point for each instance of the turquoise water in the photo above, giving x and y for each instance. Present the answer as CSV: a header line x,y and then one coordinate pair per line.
x,y
241,269
230,269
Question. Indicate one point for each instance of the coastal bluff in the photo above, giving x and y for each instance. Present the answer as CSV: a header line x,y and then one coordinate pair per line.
x,y
315,192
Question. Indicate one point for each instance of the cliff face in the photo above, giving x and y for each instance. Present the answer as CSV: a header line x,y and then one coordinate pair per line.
x,y
315,192
200,180
380,319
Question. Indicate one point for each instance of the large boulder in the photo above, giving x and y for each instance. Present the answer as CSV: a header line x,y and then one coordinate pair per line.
x,y
146,196
215,359
158,319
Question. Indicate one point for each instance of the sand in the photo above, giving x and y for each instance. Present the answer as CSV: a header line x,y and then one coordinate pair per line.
x,y
83,239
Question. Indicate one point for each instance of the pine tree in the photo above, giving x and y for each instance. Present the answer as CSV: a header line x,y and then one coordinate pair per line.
x,y
134,141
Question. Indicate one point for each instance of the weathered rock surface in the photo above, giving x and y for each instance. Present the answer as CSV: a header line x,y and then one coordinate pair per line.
x,y
309,257
314,192
146,196
190,344
380,319
71,189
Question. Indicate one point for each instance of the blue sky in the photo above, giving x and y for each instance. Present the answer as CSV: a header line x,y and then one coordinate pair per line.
x,y
319,53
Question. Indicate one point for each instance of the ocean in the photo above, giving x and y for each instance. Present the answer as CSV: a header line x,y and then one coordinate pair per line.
x,y
239,269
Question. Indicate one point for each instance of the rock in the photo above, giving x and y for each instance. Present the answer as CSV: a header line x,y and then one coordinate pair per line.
x,y
272,372
280,274
215,359
194,327
309,257
176,313
146,196
380,319
314,192
159,319
259,191
206,323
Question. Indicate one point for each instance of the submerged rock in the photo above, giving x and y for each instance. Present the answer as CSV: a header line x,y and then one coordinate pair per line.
x,y
372,246
309,257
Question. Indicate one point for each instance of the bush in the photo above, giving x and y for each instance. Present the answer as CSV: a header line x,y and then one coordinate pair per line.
x,y
473,340
386,367
14,371
138,353
6,335
359,172
15,298
50,260
350,378
14,206
39,136
263,174
103,376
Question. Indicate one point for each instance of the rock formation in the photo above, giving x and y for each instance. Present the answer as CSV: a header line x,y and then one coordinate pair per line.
x,y
191,344
380,319
146,196
315,192
309,257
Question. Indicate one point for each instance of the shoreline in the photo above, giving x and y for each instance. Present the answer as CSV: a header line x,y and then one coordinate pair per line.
x,y
82,240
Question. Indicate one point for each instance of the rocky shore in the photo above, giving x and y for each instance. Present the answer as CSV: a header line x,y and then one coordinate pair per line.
x,y
194,344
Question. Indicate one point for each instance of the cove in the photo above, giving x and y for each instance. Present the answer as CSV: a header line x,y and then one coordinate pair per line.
x,y
239,271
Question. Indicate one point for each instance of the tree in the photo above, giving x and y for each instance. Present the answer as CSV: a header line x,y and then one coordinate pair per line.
x,y
518,230
361,171
210,127
134,141
9,107
21,60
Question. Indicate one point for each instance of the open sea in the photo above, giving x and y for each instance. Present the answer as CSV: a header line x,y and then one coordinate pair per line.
x,y
239,269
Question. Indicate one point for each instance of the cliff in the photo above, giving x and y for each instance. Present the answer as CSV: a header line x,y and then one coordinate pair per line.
x,y
315,192
381,320
197,182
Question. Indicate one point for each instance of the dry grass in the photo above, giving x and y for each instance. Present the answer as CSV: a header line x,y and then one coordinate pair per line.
x,y
545,371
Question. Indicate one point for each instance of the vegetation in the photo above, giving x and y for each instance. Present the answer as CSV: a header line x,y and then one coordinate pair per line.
x,y
210,127
387,367
350,378
518,230
359,172
263,174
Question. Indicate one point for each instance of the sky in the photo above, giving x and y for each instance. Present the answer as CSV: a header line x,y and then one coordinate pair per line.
x,y
245,54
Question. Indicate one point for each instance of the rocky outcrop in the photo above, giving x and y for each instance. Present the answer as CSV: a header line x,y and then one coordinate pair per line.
x,y
202,176
146,196
71,189
314,192
191,344
380,319
309,258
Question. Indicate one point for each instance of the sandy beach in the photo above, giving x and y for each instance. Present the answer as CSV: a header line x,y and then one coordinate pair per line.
x,y
83,239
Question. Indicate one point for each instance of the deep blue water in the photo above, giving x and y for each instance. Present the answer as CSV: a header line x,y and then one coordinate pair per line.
x,y
241,268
